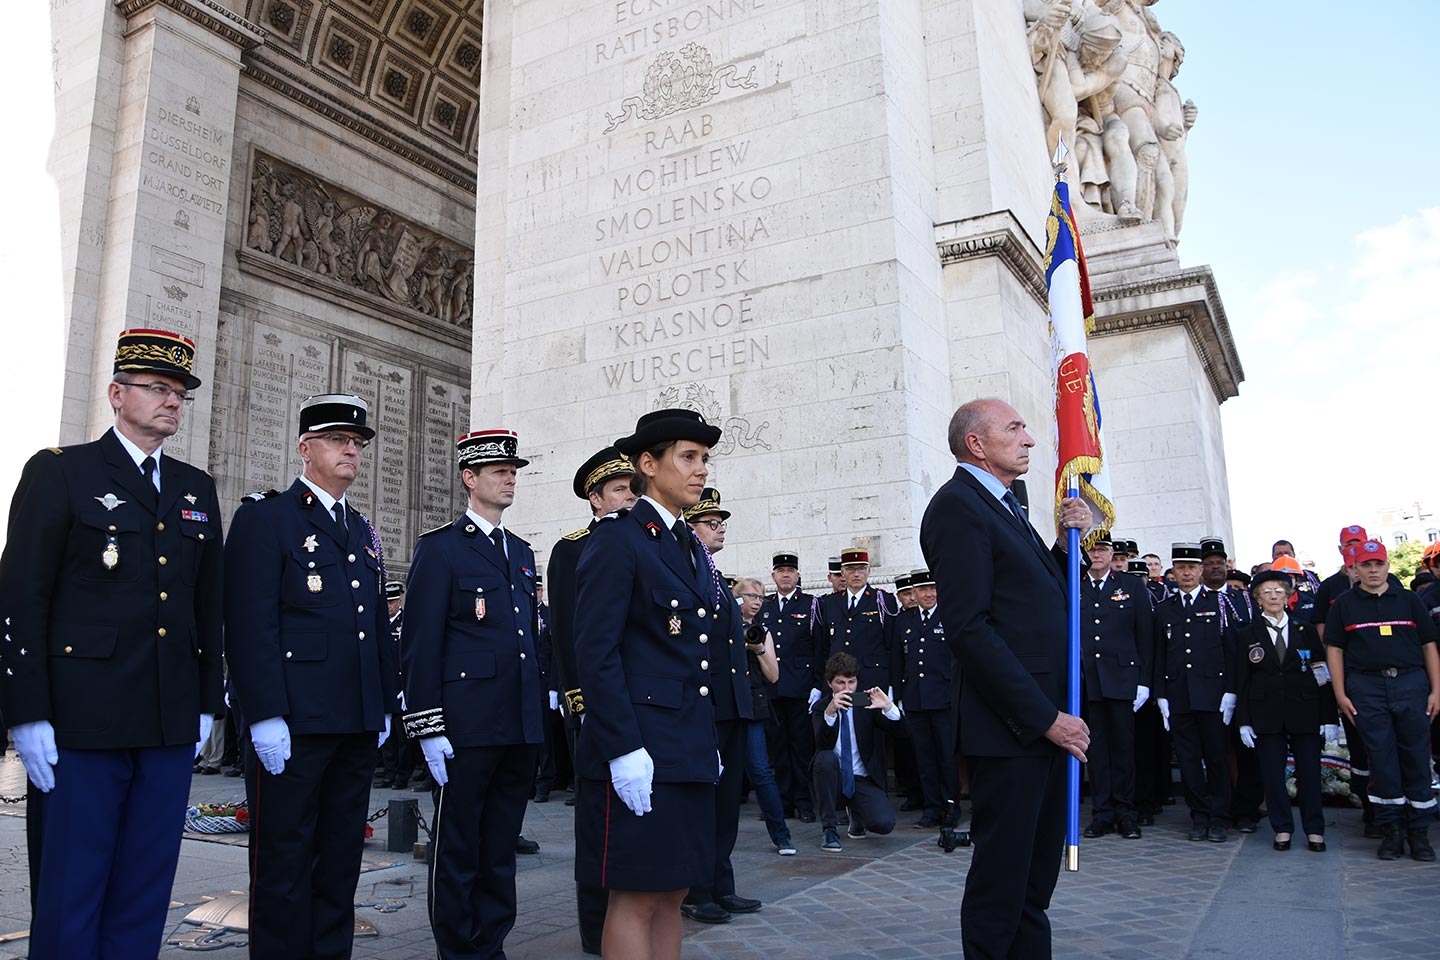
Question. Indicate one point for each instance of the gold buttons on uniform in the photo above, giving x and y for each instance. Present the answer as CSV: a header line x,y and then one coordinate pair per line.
x,y
162,561
160,525
202,536
112,528
164,595
161,631
68,649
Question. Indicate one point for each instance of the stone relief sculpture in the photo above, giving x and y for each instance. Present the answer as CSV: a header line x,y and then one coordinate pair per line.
x,y
1104,75
322,229
677,81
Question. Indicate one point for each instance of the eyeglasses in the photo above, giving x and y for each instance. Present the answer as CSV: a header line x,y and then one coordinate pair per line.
x,y
712,524
752,596
161,391
343,440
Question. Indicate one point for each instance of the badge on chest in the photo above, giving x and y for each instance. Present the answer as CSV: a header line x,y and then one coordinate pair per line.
x,y
479,603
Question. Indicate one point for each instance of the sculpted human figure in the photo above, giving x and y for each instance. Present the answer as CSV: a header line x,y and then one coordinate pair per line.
x,y
263,193
323,231
1173,120
1134,99
292,225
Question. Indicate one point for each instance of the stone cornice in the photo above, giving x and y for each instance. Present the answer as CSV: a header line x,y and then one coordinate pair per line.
x,y
208,14
314,98
1000,235
1187,297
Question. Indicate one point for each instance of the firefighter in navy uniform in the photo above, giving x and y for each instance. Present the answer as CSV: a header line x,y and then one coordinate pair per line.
x,y
602,481
786,615
1247,791
1116,659
1152,740
853,621
1380,648
397,756
1195,687
472,696
924,695
307,641
110,592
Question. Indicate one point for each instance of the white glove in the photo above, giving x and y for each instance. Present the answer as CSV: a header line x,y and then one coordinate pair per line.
x,y
1330,733
632,776
1227,708
436,749
271,739
1322,674
35,742
384,734
1142,694
207,724
1164,706
554,700
1247,736
814,699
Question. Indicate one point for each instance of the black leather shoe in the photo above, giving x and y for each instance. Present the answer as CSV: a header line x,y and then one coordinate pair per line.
x,y
1129,829
1098,828
705,912
1315,846
570,802
1420,848
526,846
1282,845
807,816
1198,832
542,797
234,772
1218,834
736,904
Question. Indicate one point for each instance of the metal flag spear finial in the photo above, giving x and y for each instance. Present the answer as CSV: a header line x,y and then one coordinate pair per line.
x,y
1057,162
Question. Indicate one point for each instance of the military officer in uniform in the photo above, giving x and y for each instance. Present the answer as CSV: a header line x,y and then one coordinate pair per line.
x,y
1120,553
603,481
307,640
397,756
713,899
645,631
1152,742
1248,789
786,615
924,696
1116,659
1195,655
835,575
472,697
853,621
905,592
110,592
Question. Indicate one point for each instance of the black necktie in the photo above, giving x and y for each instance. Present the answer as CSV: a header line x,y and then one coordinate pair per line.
x,y
497,537
924,618
780,605
338,509
1279,641
1018,512
682,533
852,603
1189,602
147,470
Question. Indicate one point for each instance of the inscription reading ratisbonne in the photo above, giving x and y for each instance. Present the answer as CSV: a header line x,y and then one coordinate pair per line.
x,y
646,25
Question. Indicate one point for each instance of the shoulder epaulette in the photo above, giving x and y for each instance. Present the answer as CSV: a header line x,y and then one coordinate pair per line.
x,y
580,534
443,526
55,450
259,495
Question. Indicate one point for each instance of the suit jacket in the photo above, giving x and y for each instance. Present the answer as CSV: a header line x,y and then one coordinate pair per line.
x,y
645,632
860,633
470,664
1194,651
868,741
307,632
111,596
794,645
1003,603
1276,696
561,588
1117,647
928,664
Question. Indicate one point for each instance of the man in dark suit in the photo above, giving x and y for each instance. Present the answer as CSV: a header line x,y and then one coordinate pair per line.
x,y
853,621
603,481
1003,603
110,591
307,639
472,695
1116,657
850,754
786,615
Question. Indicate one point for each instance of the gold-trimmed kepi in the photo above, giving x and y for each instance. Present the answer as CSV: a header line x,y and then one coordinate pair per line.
x,y
709,503
481,447
604,465
854,557
157,351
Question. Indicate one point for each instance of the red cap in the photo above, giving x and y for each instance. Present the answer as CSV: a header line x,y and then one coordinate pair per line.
x,y
1348,552
1352,533
1371,550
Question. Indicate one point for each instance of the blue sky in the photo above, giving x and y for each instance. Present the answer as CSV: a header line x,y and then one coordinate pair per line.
x,y
1310,198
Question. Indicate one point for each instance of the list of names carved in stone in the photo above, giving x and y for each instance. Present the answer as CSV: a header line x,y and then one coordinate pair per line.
x,y
285,368
447,416
381,491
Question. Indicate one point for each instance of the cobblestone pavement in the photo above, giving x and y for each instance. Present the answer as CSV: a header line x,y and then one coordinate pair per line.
x,y
894,897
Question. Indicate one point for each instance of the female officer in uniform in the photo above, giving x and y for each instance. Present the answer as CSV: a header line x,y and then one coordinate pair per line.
x,y
1282,705
645,612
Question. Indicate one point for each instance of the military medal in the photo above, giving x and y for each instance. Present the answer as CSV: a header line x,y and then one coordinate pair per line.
x,y
110,558
314,583
191,498
479,608
1304,660
674,625
110,501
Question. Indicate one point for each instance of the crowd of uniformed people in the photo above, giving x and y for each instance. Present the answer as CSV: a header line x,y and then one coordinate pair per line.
x,y
658,689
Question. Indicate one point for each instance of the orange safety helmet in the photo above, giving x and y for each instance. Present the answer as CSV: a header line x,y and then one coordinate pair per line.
x,y
1288,564
1431,556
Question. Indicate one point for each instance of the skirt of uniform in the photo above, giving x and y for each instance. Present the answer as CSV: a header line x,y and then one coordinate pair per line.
x,y
670,848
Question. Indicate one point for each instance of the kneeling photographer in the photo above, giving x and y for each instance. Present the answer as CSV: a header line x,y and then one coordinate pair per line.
x,y
850,754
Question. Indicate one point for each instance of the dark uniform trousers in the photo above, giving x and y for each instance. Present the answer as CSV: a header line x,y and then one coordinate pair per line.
x,y
110,594
307,638
1110,761
926,679
1117,650
1153,782
1202,749
791,741
1272,751
1249,785
1390,715
472,675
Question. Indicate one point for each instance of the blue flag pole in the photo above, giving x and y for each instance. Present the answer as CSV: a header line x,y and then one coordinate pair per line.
x,y
1072,693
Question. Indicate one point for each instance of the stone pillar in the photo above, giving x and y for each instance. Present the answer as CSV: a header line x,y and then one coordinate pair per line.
x,y
158,207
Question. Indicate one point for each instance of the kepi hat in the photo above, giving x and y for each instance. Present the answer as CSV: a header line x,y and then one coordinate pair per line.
x,y
483,447
157,351
335,411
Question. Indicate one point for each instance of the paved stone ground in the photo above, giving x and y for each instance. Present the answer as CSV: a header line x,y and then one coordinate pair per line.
x,y
894,897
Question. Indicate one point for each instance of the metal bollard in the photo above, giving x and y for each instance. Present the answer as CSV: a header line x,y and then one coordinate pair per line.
x,y
404,825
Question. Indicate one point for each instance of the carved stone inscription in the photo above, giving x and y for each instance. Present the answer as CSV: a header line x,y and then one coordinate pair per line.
x,y
322,229
186,159
382,489
447,416
285,368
